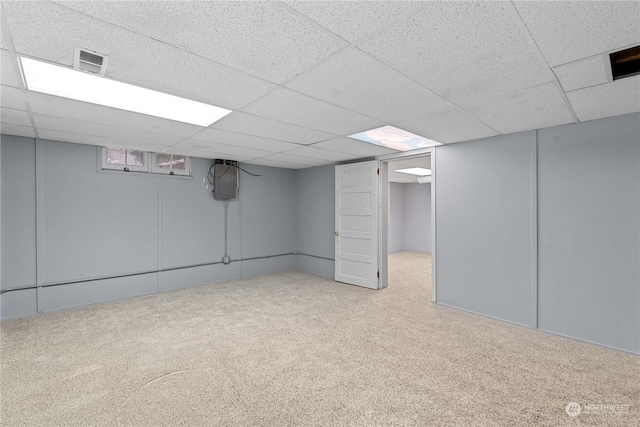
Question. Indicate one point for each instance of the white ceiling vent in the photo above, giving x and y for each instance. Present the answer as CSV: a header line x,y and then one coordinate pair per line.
x,y
90,61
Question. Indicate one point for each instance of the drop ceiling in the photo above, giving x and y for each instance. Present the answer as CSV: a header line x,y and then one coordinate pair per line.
x,y
301,76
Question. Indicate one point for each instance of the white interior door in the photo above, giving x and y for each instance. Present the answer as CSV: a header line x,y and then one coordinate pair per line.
x,y
357,224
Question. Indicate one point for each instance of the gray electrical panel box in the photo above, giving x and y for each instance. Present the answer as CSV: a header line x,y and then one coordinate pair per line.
x,y
225,180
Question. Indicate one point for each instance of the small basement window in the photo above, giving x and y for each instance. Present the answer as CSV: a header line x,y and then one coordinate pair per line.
x,y
172,164
128,160
124,159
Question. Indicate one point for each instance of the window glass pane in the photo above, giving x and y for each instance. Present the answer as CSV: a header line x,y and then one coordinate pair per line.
x,y
135,158
116,156
179,162
163,161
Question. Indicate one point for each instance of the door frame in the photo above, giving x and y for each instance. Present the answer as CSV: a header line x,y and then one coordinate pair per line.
x,y
383,225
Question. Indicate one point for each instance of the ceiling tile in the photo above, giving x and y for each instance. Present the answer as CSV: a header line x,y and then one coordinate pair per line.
x,y
203,154
585,28
353,19
222,149
277,164
3,43
242,140
356,81
297,160
271,129
9,129
458,58
48,31
356,148
107,131
447,126
265,39
292,107
15,117
584,73
11,97
55,135
53,106
532,108
320,154
612,99
8,76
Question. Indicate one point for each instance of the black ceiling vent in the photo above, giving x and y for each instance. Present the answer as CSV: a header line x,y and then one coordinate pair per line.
x,y
625,63
90,61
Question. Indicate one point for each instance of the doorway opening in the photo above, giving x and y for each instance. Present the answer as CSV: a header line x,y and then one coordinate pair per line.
x,y
407,226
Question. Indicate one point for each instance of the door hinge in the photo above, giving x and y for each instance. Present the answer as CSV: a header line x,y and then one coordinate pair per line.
x,y
378,274
378,171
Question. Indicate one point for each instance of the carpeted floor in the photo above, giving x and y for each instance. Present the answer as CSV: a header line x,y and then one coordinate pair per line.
x,y
295,349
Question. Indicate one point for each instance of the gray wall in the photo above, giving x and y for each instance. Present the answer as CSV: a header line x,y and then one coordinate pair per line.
x,y
588,228
417,217
315,220
107,235
484,226
410,217
396,217
543,229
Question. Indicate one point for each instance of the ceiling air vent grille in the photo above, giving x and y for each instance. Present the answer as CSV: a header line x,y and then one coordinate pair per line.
x,y
90,61
625,63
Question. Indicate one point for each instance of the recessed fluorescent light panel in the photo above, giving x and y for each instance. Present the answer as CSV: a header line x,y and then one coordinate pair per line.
x,y
415,171
394,138
68,83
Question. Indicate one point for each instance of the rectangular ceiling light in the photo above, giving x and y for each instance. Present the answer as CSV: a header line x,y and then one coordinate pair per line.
x,y
394,138
415,171
69,83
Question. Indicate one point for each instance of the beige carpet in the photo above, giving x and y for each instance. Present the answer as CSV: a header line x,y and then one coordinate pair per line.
x,y
295,349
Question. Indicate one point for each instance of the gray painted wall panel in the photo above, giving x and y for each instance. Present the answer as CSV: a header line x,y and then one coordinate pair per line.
x,y
319,266
267,211
315,220
18,212
18,304
193,221
396,225
203,275
417,217
93,224
484,226
84,293
256,267
589,214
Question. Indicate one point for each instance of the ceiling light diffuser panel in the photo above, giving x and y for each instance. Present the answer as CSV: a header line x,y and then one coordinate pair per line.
x,y
394,138
415,171
81,86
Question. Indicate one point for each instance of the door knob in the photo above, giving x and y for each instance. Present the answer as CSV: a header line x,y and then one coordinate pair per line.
x,y
337,234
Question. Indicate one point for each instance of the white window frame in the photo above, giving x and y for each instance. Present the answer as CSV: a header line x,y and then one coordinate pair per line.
x,y
163,171
149,167
113,166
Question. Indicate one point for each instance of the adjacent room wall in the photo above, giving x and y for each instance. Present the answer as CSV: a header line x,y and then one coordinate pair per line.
x,y
315,220
410,217
417,218
107,235
396,227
